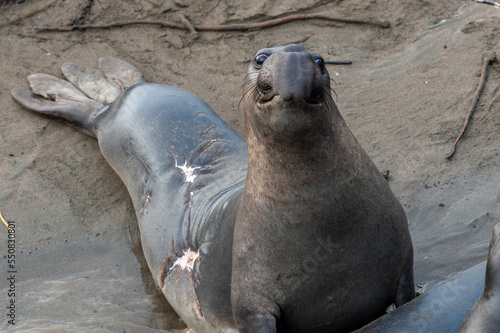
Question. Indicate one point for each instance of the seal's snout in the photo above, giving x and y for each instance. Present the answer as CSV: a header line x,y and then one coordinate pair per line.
x,y
293,77
292,73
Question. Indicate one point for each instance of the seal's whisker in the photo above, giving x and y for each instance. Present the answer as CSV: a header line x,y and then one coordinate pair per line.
x,y
249,78
332,80
254,96
250,89
249,85
327,87
326,96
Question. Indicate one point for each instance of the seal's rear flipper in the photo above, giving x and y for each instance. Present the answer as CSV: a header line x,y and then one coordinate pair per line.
x,y
56,89
92,82
120,72
80,101
78,113
105,84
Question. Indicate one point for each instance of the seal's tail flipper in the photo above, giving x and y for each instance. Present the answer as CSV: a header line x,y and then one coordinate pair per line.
x,y
59,98
92,83
81,100
77,113
120,72
105,84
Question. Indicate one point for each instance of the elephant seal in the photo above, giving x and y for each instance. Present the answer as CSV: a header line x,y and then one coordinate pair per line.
x,y
485,315
444,307
295,230
329,241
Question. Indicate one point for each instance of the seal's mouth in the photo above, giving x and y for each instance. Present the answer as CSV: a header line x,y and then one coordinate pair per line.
x,y
278,102
267,95
266,98
262,91
289,118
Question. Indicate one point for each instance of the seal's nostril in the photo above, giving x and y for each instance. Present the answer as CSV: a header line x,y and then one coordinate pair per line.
x,y
264,87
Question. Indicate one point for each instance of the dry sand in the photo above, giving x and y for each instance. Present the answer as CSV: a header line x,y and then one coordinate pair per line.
x,y
79,261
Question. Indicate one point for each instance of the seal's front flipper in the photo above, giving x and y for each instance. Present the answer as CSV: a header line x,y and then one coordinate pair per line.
x,y
92,82
120,72
262,324
78,113
406,286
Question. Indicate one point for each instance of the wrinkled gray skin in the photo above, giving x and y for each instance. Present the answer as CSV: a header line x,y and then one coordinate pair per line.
x,y
309,238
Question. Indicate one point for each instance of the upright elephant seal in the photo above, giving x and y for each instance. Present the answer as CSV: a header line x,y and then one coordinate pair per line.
x,y
309,238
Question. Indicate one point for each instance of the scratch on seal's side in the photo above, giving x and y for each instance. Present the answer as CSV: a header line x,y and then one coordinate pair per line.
x,y
188,171
187,260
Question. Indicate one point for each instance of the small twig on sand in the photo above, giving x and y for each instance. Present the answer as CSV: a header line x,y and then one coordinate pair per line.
x,y
32,12
302,40
181,3
227,27
3,220
188,25
488,2
113,25
339,62
487,58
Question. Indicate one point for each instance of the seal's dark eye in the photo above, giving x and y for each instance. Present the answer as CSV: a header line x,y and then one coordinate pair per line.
x,y
259,59
319,61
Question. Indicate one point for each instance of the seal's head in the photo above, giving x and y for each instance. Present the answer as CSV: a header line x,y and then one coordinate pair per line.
x,y
287,95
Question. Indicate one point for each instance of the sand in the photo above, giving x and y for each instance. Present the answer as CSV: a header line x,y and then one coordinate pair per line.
x,y
79,264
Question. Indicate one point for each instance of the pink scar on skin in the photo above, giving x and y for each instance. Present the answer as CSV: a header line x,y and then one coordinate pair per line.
x,y
187,260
